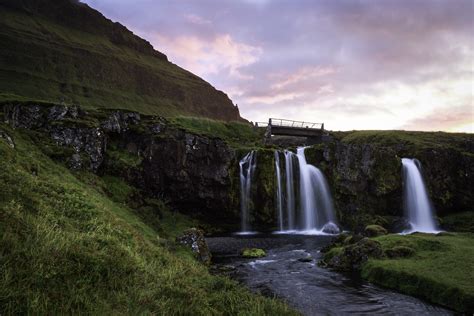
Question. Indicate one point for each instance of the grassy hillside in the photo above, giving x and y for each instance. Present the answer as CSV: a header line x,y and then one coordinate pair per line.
x,y
64,51
70,243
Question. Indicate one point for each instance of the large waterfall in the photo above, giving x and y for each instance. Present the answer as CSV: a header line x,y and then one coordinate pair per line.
x,y
247,167
315,212
315,199
418,207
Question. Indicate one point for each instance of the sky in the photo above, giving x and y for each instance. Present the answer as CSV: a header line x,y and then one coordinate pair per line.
x,y
360,64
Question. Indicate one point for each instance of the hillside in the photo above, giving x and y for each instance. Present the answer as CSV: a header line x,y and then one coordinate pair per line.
x,y
64,51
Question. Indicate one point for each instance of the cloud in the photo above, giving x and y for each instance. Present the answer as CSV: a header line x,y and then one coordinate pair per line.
x,y
358,64
222,54
452,118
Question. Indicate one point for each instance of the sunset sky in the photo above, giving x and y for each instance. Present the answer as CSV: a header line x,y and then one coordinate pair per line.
x,y
351,64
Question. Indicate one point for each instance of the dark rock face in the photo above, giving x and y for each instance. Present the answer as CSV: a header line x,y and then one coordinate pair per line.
x,y
90,141
119,122
194,239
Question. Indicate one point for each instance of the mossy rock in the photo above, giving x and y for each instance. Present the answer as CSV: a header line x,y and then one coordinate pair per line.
x,y
374,231
400,252
253,253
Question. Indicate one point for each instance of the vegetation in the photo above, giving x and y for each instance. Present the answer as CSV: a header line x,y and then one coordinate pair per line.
x,y
409,139
237,134
253,253
71,243
459,222
59,50
439,268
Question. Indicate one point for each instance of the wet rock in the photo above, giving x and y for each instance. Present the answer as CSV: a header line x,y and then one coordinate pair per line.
x,y
353,256
399,225
90,141
119,122
306,259
24,116
374,231
7,138
331,228
253,253
194,238
400,252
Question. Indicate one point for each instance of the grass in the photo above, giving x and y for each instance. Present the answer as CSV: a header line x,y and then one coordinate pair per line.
x,y
459,222
43,60
418,140
441,270
235,133
69,243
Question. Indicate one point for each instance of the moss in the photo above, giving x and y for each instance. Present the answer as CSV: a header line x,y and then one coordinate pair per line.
x,y
459,222
265,189
72,244
400,252
253,253
439,268
374,230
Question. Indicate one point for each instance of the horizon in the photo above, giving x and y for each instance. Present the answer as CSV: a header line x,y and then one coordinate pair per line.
x,y
352,65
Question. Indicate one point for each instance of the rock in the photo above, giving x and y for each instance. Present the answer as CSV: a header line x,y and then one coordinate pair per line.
x,y
61,112
119,122
353,239
7,138
374,231
24,116
194,238
400,252
252,253
331,228
306,259
353,256
399,225
90,141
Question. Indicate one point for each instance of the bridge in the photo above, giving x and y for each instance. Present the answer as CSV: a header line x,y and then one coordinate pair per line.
x,y
284,127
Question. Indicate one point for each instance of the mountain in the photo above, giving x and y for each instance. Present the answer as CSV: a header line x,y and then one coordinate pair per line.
x,y
65,51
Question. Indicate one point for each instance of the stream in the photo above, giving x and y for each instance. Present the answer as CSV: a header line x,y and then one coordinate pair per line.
x,y
290,272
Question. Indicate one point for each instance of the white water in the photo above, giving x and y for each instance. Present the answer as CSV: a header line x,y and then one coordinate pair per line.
x,y
316,212
290,190
247,167
279,197
315,199
418,207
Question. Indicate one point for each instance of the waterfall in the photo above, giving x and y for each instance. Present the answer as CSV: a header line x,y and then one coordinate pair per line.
x,y
290,190
247,167
418,207
279,197
317,212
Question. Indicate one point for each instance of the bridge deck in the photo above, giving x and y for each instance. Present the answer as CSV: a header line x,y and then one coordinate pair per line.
x,y
294,128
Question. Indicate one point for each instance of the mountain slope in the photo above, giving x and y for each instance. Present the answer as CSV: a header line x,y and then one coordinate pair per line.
x,y
63,50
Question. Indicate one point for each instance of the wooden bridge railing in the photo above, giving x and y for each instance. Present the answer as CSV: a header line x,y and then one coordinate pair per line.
x,y
295,124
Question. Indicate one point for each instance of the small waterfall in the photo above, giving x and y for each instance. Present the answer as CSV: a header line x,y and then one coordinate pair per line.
x,y
290,190
418,207
315,199
279,198
247,167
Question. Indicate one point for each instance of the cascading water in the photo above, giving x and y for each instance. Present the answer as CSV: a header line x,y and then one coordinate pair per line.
x,y
247,167
418,207
315,199
290,190
279,197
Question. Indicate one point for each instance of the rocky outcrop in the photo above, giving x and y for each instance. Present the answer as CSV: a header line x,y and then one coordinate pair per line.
x,y
194,239
7,138
352,257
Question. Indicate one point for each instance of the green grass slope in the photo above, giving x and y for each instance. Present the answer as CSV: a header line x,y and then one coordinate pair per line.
x,y
61,50
441,271
68,246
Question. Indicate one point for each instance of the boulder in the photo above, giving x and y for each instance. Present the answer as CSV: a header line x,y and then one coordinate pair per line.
x,y
194,239
374,231
352,257
331,228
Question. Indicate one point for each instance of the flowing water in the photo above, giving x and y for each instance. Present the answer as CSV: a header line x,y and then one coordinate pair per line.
x,y
315,199
290,272
247,167
290,190
418,209
279,198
